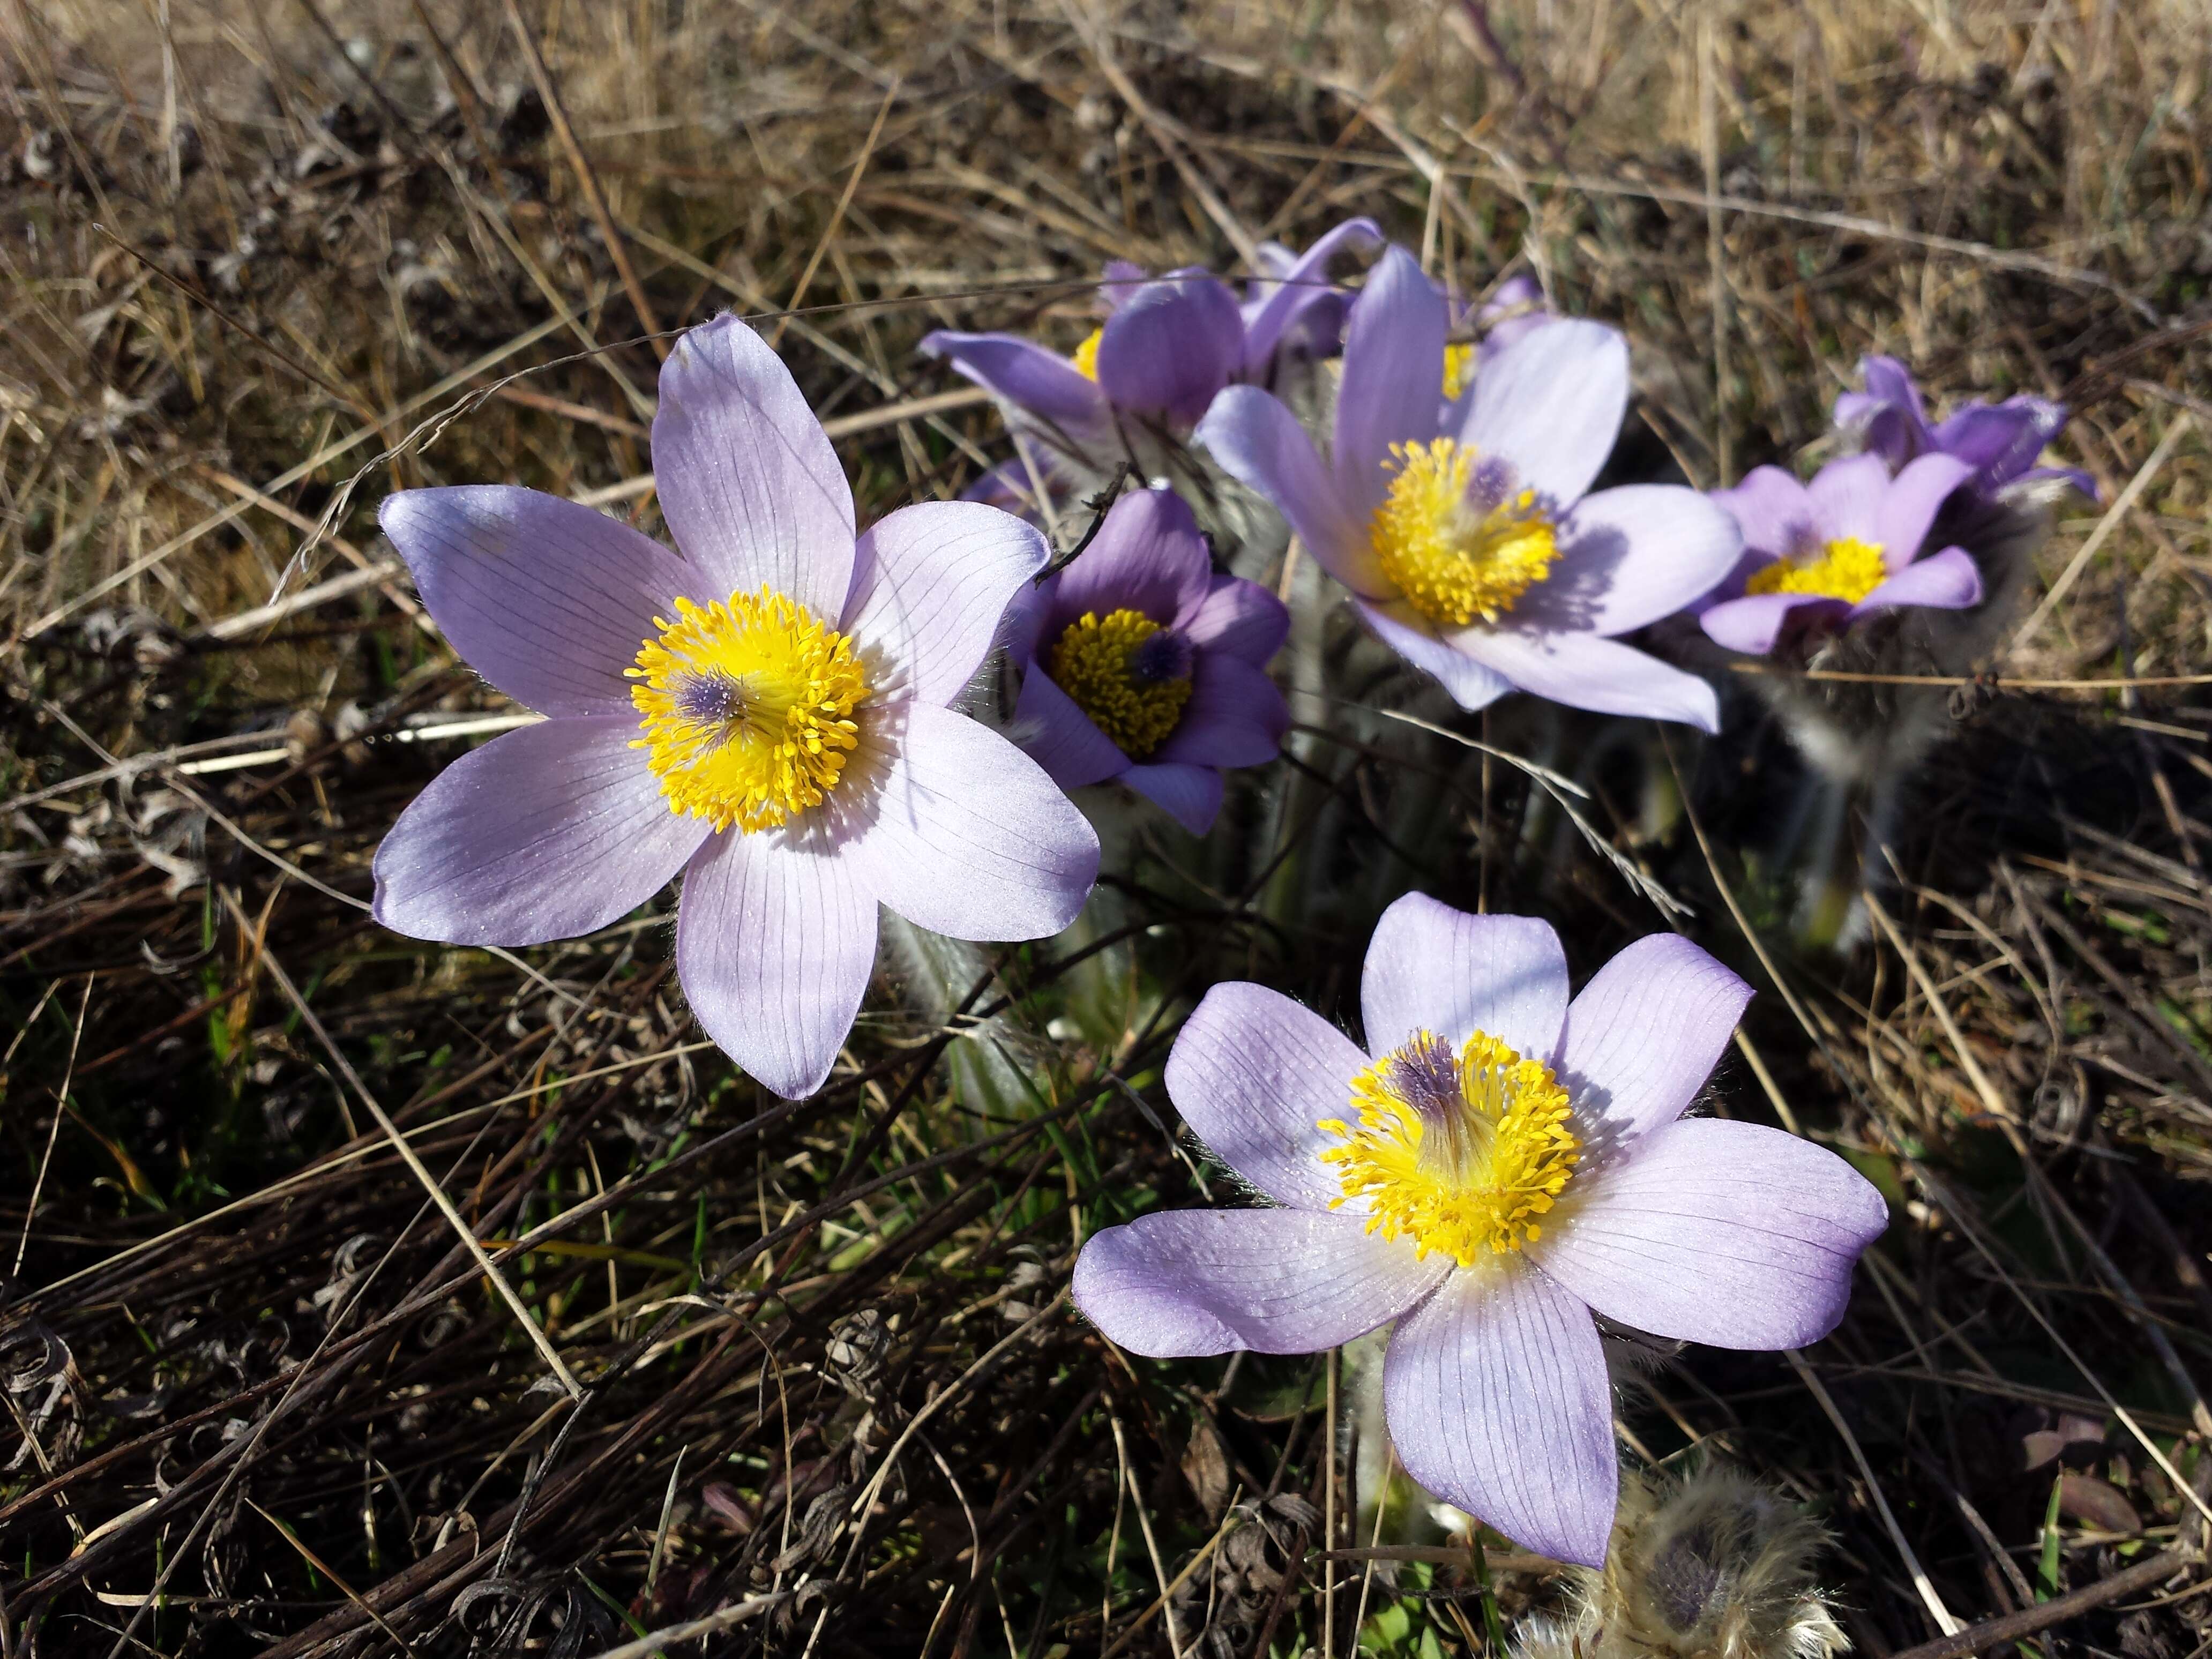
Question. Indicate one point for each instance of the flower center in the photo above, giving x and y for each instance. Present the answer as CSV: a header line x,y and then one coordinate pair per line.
x,y
1458,1153
1085,356
1848,568
1129,674
1459,367
748,708
1456,540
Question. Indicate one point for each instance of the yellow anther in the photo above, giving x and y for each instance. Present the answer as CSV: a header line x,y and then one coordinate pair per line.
x,y
1848,568
1130,675
1458,559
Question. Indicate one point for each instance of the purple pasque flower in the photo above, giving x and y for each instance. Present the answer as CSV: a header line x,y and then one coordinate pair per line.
x,y
1141,665
1167,345
1516,306
1823,556
1476,554
1497,1165
768,713
2001,442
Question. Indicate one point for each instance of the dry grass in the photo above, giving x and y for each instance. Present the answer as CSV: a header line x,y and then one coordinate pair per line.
x,y
805,1368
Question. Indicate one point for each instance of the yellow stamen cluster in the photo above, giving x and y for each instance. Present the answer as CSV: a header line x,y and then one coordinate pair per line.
x,y
1458,1153
1848,568
1459,367
1085,356
748,707
1456,561
1092,663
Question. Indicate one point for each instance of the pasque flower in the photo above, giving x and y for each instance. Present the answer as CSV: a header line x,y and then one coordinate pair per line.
x,y
768,713
1496,1165
2002,442
1167,345
1142,664
1824,555
1476,554
1512,310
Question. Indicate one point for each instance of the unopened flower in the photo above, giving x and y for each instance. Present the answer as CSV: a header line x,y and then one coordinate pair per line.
x,y
1141,665
1820,556
1476,554
767,713
2000,442
1497,1165
1167,345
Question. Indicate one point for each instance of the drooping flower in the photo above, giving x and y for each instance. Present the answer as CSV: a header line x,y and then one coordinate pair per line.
x,y
1167,345
2001,442
767,713
1820,556
1141,665
1476,554
1497,1164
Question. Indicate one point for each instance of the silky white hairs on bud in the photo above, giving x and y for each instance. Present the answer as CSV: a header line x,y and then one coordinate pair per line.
x,y
1712,1566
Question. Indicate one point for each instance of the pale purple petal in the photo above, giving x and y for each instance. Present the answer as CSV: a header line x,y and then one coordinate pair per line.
x,y
1755,621
1254,1075
1430,968
548,600
1026,375
1170,346
1240,619
1059,737
930,586
1584,671
1414,637
1299,286
1848,497
1774,511
1949,580
1551,404
1261,444
1235,717
1187,1282
1629,557
1393,342
1911,506
1644,1035
1730,1234
2000,441
1191,795
1147,557
968,836
749,485
1496,1394
544,833
775,940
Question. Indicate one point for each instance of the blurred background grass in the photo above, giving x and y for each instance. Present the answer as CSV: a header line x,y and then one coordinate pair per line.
x,y
807,1368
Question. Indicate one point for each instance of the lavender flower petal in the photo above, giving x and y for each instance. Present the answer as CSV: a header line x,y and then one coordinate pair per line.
x,y
1847,499
1191,795
1170,346
548,600
1394,351
1235,716
1405,631
544,833
1298,289
1752,623
930,584
968,836
1730,1234
751,488
1147,557
1910,506
1024,374
775,940
1551,404
1188,1282
1061,738
1583,671
1629,557
1496,1394
1254,1075
1645,1035
1774,510
1261,444
1239,619
1949,580
1431,968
